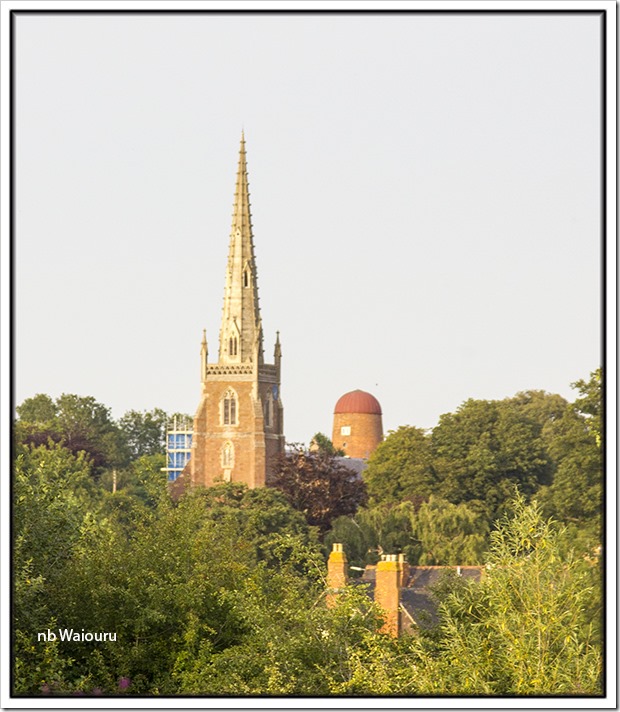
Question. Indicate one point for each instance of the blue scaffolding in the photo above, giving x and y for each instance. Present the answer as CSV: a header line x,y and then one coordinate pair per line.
x,y
178,447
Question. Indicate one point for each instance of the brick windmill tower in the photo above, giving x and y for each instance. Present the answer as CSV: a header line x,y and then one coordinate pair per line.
x,y
238,426
358,427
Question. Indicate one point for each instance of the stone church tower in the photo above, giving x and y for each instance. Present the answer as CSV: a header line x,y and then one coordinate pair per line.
x,y
238,427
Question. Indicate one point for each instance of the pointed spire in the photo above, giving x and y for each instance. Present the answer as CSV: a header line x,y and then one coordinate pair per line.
x,y
241,333
241,210
204,354
277,352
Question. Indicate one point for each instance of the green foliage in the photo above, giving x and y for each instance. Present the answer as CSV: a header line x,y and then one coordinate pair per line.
x,y
173,581
385,528
524,629
576,493
438,533
174,569
590,402
53,499
449,534
296,646
38,409
262,516
80,423
145,432
322,443
52,491
400,468
486,448
144,478
140,488
222,591
357,541
476,456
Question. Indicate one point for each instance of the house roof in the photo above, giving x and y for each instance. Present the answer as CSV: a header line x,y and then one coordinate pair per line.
x,y
357,464
416,597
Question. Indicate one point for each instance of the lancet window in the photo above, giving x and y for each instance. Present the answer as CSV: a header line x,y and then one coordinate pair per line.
x,y
229,408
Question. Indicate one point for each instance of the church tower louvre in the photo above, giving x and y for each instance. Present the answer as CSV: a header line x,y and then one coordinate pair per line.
x,y
238,426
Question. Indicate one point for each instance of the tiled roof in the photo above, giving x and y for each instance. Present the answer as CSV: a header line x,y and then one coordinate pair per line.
x,y
420,610
357,464
423,577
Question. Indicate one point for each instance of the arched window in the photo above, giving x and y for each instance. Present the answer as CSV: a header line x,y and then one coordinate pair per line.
x,y
232,346
246,278
229,408
228,455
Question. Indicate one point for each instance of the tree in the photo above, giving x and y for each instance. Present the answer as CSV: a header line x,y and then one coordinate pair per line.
x,y
485,449
139,490
38,409
449,534
540,407
220,593
438,533
52,496
576,494
321,442
262,516
80,423
36,421
145,431
359,541
318,485
176,579
523,630
400,468
52,490
384,528
590,402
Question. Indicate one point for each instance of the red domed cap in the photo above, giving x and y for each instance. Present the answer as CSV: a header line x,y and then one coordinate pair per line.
x,y
358,402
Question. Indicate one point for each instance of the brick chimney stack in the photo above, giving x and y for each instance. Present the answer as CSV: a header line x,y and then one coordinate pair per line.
x,y
405,571
336,574
389,575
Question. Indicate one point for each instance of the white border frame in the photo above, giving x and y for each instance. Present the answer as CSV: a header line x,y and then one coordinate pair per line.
x,y
609,6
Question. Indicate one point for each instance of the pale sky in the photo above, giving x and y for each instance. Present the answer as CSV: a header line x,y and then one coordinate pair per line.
x,y
425,193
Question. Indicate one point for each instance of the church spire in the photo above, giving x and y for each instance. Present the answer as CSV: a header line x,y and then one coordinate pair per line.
x,y
241,338
238,428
